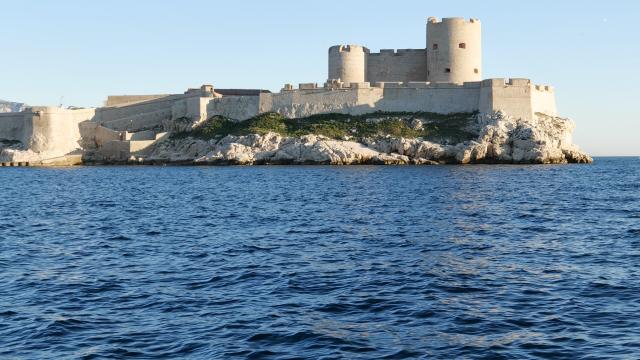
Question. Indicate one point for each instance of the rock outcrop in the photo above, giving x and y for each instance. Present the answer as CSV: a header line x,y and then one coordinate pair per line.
x,y
500,139
8,106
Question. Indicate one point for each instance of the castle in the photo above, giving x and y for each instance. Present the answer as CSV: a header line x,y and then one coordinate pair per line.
x,y
453,55
444,77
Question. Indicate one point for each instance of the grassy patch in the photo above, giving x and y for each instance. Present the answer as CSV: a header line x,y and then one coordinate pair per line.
x,y
436,127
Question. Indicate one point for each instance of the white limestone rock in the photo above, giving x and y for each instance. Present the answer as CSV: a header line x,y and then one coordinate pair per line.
x,y
543,140
500,139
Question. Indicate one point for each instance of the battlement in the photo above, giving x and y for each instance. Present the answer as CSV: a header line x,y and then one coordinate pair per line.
x,y
348,48
518,82
434,20
308,86
502,82
399,52
337,84
544,88
425,85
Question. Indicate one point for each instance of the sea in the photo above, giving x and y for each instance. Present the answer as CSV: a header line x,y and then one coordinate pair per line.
x,y
321,262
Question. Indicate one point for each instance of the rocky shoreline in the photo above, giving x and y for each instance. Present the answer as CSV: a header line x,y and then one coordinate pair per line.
x,y
335,139
499,139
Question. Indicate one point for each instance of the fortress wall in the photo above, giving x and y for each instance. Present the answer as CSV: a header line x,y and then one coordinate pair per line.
x,y
512,96
104,135
515,97
401,65
391,97
153,99
194,108
298,104
234,107
543,99
57,131
441,98
152,113
107,114
119,100
155,113
115,150
140,121
15,126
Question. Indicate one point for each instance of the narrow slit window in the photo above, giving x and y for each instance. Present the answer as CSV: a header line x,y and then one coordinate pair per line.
x,y
462,45
435,46
447,70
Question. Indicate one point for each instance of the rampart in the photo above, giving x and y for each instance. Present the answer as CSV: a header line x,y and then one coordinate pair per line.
x,y
121,100
149,114
516,97
363,98
402,65
51,131
15,126
543,99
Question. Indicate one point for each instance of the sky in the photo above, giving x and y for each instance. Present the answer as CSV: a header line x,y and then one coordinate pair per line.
x,y
79,52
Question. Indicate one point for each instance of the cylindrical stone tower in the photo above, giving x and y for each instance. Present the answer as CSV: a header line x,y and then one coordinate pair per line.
x,y
348,63
454,50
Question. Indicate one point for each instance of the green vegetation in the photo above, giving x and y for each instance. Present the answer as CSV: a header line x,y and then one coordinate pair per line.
x,y
435,127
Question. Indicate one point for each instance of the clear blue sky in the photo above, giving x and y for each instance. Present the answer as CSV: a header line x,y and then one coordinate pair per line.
x,y
86,50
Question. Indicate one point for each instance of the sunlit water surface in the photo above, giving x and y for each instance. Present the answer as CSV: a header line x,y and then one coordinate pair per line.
x,y
321,262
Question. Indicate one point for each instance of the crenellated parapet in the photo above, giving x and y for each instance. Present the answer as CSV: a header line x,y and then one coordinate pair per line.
x,y
517,96
544,88
334,84
398,52
517,82
435,20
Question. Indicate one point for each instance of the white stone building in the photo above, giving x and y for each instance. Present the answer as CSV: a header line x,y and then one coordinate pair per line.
x,y
444,77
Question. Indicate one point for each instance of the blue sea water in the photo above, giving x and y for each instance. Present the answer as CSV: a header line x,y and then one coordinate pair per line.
x,y
360,262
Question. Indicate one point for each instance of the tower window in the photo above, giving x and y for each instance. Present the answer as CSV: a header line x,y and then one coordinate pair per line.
x,y
435,46
447,70
476,71
462,45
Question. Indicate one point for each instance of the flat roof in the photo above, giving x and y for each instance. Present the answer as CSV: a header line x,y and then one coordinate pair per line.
x,y
241,92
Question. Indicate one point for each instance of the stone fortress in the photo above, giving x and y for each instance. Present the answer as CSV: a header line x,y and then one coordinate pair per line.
x,y
444,77
453,55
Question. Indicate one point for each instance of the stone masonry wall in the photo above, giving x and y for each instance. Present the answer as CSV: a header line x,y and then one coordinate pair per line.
x,y
13,126
401,65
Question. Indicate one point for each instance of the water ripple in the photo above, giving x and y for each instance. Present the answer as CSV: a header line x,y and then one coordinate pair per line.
x,y
496,262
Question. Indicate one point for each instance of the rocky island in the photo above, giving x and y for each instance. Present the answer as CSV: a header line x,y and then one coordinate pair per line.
x,y
335,139
408,106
